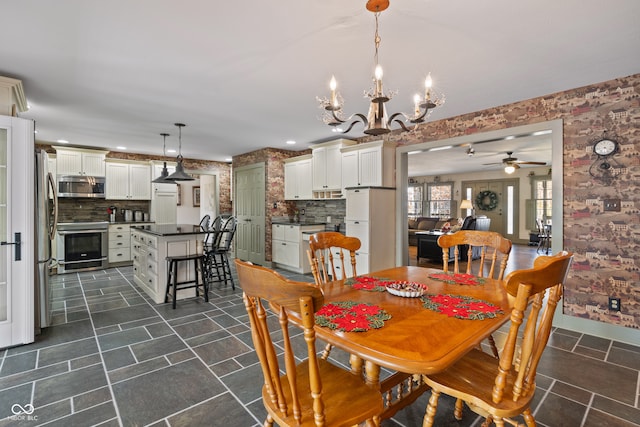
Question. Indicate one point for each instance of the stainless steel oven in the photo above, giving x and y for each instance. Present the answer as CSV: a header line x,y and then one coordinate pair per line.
x,y
82,246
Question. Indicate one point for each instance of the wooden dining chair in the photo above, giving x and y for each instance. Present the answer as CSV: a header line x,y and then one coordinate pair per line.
x,y
335,247
487,245
313,392
329,247
490,246
504,388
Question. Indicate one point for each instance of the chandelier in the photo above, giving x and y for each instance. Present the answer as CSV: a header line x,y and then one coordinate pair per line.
x,y
180,174
377,122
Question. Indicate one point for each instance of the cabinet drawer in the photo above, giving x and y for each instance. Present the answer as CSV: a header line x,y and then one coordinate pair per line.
x,y
292,233
357,204
359,229
119,254
277,232
119,240
119,228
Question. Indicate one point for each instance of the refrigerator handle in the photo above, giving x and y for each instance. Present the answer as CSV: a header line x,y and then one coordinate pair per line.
x,y
53,227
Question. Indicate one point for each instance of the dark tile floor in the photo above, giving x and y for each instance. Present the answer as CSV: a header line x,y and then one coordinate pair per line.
x,y
114,358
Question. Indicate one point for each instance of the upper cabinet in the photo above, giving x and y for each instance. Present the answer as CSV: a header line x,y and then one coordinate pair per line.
x,y
368,165
327,168
128,180
74,161
298,178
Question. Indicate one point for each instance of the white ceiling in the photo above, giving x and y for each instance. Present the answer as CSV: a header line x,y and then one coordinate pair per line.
x,y
244,74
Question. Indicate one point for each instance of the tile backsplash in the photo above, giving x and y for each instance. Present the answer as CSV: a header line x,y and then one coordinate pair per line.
x,y
79,209
319,210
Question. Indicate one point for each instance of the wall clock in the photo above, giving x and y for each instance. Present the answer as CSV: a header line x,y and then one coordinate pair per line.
x,y
605,167
605,147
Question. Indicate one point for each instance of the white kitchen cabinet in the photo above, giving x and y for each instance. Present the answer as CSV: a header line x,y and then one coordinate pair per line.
x,y
73,161
149,252
370,216
327,168
119,243
298,178
128,181
368,165
289,246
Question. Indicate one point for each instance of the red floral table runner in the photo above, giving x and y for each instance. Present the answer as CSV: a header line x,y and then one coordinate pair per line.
x,y
457,278
351,316
368,283
461,307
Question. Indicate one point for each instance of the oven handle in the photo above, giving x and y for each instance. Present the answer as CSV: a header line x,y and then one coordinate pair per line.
x,y
84,260
64,233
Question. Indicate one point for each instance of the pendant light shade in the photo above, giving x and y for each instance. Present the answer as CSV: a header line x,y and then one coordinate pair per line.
x,y
179,174
162,179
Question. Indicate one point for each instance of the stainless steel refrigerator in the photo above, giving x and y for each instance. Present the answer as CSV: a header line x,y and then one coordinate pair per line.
x,y
46,205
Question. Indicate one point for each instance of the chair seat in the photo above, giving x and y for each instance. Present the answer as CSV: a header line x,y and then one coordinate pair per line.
x,y
347,398
184,257
472,379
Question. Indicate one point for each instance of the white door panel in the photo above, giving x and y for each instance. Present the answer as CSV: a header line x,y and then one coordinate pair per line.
x,y
17,217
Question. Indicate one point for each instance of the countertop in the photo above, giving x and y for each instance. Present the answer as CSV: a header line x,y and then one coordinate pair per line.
x,y
130,222
288,222
169,229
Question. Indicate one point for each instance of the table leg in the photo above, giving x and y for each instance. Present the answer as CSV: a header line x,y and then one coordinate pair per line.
x,y
356,365
372,373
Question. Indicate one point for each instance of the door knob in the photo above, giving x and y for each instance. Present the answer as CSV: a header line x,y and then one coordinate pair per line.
x,y
17,245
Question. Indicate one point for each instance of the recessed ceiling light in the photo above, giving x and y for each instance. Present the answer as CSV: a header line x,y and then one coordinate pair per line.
x,y
541,132
62,141
171,151
336,129
291,142
121,148
228,159
414,152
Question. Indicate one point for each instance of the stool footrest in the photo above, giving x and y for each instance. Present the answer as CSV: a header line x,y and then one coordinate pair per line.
x,y
173,286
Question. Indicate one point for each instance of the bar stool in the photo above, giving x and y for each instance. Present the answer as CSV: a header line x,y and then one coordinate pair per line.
x,y
172,273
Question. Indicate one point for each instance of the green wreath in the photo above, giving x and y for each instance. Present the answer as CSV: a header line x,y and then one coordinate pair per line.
x,y
487,200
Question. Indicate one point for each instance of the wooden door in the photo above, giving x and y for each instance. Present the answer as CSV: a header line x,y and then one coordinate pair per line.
x,y
249,205
504,217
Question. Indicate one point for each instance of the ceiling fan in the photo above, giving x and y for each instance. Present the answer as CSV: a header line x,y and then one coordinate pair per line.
x,y
512,163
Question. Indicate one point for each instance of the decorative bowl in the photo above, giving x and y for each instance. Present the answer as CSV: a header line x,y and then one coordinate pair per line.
x,y
406,289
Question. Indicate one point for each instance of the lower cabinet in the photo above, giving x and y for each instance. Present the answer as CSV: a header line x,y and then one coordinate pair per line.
x,y
149,254
289,245
119,243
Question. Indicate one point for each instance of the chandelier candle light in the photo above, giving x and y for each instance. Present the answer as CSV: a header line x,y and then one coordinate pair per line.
x,y
376,122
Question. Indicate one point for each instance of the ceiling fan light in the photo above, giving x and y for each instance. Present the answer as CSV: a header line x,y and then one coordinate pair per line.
x,y
509,169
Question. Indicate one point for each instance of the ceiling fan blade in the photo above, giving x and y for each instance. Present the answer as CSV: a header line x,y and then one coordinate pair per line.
x,y
530,163
494,163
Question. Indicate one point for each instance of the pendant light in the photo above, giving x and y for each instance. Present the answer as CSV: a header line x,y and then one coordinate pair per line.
x,y
179,174
162,179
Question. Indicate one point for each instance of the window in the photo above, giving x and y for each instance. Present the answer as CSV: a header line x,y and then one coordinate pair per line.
x,y
439,198
541,187
414,200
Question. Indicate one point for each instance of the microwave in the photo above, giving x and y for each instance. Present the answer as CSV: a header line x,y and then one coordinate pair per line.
x,y
81,186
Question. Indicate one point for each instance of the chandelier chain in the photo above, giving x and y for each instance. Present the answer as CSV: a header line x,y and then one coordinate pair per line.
x,y
376,40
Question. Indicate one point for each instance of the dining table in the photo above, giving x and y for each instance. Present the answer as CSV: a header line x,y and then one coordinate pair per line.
x,y
410,335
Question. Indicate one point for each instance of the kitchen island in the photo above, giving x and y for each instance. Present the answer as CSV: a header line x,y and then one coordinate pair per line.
x,y
151,244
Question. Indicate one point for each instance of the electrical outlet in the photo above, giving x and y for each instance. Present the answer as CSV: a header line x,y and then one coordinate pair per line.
x,y
614,304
